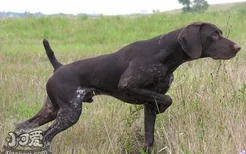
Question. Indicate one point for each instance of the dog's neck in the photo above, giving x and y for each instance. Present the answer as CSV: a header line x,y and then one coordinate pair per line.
x,y
177,56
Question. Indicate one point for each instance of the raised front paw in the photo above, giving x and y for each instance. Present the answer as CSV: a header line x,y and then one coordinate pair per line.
x,y
161,106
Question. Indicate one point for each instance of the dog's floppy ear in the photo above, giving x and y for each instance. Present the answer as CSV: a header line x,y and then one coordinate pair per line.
x,y
190,40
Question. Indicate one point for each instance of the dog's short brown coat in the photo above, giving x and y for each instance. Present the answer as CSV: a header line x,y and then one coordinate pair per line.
x,y
140,73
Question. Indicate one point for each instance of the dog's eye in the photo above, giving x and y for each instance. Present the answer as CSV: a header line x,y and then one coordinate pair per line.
x,y
215,35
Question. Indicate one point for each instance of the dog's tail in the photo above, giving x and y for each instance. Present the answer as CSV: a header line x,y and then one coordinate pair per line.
x,y
55,63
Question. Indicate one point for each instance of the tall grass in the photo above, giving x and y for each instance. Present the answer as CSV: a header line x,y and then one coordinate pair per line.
x,y
208,115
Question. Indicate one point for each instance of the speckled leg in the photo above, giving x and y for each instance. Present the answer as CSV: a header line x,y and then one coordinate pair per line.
x,y
66,117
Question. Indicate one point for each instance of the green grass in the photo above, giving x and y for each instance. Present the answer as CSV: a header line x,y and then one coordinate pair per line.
x,y
209,110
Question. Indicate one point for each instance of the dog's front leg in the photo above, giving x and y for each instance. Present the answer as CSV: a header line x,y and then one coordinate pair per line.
x,y
149,125
140,80
159,102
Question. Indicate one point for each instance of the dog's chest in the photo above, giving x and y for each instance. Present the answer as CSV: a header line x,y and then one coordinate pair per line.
x,y
164,84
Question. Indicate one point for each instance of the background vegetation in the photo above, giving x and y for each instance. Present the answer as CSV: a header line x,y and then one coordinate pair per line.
x,y
208,115
194,6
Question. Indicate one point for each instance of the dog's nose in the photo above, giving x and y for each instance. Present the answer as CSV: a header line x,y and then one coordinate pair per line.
x,y
236,47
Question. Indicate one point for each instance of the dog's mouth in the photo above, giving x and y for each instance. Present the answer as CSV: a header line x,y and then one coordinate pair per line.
x,y
225,56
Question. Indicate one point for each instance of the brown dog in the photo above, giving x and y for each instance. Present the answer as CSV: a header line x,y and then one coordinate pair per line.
x,y
140,73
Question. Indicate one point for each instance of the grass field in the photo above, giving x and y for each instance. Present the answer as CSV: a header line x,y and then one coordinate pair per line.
x,y
208,115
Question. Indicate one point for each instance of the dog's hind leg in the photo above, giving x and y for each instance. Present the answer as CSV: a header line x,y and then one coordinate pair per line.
x,y
66,117
69,99
47,113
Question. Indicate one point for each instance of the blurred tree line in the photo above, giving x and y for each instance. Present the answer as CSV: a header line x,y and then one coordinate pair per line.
x,y
194,6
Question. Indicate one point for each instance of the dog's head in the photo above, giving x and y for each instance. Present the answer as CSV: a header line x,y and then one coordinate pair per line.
x,y
202,39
